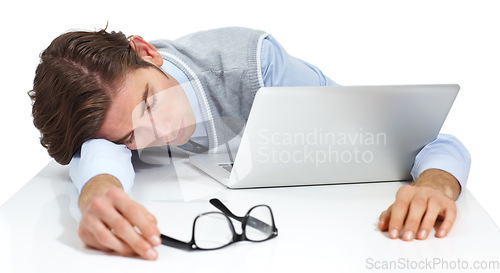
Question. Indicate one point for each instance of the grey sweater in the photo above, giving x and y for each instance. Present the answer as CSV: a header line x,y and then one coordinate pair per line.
x,y
223,66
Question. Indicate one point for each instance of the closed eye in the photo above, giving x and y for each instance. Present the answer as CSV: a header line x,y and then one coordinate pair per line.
x,y
130,139
152,104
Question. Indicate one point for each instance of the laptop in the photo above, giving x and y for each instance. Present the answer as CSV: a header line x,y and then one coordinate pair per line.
x,y
298,136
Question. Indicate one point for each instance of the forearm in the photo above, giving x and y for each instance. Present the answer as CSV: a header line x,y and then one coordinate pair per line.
x,y
440,180
95,187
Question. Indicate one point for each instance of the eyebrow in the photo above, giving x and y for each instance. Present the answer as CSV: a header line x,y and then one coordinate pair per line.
x,y
145,96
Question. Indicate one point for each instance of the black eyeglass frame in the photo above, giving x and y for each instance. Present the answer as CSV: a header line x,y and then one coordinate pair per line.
x,y
246,220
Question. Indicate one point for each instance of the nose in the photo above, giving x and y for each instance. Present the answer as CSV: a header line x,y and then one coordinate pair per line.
x,y
164,132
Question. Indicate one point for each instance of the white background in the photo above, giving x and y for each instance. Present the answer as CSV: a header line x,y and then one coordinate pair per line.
x,y
354,43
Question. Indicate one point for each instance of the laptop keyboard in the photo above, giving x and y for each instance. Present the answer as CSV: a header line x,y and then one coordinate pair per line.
x,y
227,167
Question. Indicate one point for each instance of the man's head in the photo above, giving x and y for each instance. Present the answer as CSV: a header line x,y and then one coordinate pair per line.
x,y
90,85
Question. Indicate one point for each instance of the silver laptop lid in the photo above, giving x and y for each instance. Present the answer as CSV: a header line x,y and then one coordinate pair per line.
x,y
325,135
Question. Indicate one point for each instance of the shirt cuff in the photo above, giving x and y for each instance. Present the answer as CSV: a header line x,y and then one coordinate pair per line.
x,y
100,156
446,153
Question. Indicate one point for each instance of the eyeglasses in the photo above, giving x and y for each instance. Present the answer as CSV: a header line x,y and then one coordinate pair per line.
x,y
214,230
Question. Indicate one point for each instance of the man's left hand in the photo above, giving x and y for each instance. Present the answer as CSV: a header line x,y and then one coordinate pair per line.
x,y
418,206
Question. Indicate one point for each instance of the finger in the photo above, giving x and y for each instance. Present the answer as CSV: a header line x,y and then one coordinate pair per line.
x,y
399,210
124,239
383,222
89,239
449,218
139,217
433,209
95,233
145,222
124,229
104,238
416,212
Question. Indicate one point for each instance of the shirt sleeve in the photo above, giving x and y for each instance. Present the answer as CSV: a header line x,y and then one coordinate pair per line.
x,y
281,69
446,153
100,156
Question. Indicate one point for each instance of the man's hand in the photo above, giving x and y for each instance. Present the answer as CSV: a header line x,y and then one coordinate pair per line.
x,y
417,207
111,221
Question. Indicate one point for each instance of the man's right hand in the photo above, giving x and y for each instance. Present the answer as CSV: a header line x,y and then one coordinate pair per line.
x,y
111,221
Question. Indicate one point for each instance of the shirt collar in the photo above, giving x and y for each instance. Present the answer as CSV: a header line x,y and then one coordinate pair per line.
x,y
183,80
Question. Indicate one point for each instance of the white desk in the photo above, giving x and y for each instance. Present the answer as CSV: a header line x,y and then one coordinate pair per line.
x,y
321,229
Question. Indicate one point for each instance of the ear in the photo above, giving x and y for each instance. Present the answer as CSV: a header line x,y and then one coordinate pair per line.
x,y
147,51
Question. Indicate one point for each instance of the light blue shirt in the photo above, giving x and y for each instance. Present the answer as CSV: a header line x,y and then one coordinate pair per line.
x,y
200,132
99,156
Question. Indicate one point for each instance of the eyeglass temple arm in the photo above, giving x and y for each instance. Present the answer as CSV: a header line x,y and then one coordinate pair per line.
x,y
169,241
252,221
220,206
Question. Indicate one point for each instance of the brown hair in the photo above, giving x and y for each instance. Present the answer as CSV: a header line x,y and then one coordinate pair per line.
x,y
74,82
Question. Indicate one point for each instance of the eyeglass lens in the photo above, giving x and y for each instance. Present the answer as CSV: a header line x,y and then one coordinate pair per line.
x,y
259,225
214,230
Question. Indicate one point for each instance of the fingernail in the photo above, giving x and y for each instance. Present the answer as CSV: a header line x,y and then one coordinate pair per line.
x,y
422,234
441,233
408,236
155,240
151,254
394,234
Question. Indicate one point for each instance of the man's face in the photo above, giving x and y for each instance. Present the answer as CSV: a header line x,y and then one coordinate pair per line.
x,y
150,109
